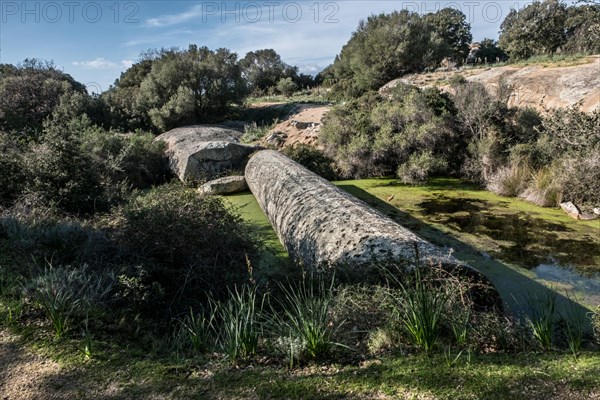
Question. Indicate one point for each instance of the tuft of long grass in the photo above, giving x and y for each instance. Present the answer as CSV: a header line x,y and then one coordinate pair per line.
x,y
575,326
510,181
301,318
238,331
543,190
541,318
65,292
195,330
420,309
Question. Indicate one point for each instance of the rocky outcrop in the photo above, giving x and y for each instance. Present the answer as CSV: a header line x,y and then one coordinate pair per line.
x,y
226,185
320,224
575,212
539,86
204,151
303,127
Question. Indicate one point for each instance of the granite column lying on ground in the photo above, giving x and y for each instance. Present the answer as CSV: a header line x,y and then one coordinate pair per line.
x,y
319,224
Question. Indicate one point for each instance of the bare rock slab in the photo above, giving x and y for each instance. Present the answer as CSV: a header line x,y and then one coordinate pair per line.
x,y
204,151
226,185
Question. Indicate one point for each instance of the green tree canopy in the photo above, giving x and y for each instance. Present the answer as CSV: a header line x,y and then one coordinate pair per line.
x,y
387,46
170,88
30,91
452,26
536,29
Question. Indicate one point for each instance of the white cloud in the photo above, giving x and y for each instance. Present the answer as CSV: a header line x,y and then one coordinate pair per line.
x,y
102,63
98,63
173,19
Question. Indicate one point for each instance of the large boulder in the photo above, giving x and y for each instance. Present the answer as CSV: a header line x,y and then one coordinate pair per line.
x,y
204,151
226,185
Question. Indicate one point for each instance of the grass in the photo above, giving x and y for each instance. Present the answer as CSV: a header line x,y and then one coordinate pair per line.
x,y
300,320
127,373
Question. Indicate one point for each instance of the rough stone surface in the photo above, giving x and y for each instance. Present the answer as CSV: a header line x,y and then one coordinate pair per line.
x,y
320,224
571,209
226,185
204,151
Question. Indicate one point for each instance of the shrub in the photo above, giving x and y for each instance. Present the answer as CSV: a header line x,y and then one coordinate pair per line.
x,y
69,292
136,160
186,243
286,86
419,167
238,331
61,174
34,232
543,190
14,171
372,136
313,159
579,178
510,181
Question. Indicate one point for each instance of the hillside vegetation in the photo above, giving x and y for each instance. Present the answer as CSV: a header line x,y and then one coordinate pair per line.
x,y
133,285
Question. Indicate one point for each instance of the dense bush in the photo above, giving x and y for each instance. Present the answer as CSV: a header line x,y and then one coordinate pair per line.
x,y
185,243
30,91
373,136
313,159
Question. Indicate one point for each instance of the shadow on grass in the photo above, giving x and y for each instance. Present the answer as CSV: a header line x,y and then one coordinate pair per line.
x,y
515,288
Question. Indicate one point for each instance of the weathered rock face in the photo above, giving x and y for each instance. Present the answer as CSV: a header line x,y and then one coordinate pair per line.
x,y
226,185
574,212
320,224
204,151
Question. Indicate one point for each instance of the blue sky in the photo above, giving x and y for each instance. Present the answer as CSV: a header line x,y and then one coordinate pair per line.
x,y
95,41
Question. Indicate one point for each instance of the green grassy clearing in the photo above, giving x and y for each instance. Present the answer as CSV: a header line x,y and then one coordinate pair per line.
x,y
514,232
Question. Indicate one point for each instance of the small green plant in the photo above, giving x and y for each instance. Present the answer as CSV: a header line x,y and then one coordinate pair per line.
x,y
460,326
10,311
541,318
239,329
197,330
421,316
420,305
450,359
66,292
302,317
255,132
88,341
575,325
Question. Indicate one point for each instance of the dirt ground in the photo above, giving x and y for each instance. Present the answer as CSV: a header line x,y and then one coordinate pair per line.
x,y
302,127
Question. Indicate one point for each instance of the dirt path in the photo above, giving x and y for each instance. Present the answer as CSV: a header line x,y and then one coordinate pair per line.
x,y
23,375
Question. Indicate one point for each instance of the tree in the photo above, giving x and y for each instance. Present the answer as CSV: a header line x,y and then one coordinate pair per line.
x,y
452,26
489,50
30,91
537,29
286,86
181,87
263,69
582,28
385,47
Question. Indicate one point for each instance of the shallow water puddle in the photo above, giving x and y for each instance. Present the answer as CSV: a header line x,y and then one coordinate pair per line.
x,y
523,239
555,254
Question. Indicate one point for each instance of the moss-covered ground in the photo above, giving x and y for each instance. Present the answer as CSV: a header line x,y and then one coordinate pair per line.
x,y
522,248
